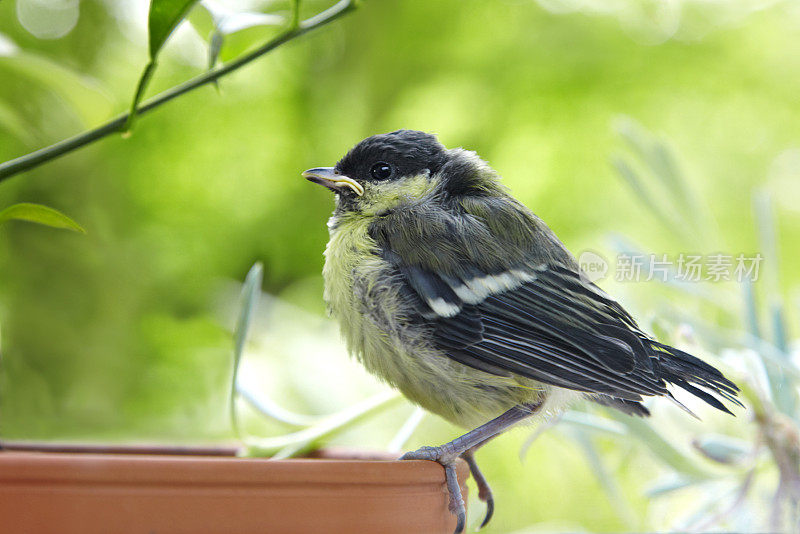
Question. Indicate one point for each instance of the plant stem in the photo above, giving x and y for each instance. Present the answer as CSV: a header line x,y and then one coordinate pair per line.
x,y
34,159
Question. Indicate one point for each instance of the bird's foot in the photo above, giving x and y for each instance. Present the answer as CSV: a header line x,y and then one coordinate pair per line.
x,y
484,491
465,446
448,461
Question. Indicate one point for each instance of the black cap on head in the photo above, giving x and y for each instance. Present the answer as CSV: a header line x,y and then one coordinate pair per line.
x,y
393,155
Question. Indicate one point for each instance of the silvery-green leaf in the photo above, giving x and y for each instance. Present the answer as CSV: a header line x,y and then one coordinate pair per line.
x,y
589,421
660,446
269,408
722,449
540,429
408,428
251,289
607,481
670,483
214,47
783,392
325,429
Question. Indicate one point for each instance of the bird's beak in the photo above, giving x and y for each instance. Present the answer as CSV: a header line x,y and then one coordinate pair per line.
x,y
332,179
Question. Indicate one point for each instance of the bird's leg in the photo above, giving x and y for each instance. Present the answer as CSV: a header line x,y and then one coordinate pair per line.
x,y
447,454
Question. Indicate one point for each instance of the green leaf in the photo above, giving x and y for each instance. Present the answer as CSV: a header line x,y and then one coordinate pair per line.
x,y
632,133
269,408
237,31
784,394
214,46
635,182
722,449
144,81
250,292
672,482
751,308
39,214
404,434
588,421
656,155
327,427
607,481
540,429
201,20
237,43
164,17
660,446
662,185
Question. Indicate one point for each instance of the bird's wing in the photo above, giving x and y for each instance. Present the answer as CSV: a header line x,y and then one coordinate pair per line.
x,y
503,295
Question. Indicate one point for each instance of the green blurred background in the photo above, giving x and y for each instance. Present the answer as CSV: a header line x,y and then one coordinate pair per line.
x,y
124,333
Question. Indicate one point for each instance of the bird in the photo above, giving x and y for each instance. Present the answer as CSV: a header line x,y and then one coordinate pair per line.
x,y
453,292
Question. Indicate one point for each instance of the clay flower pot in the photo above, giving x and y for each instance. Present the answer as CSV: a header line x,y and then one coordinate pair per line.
x,y
155,490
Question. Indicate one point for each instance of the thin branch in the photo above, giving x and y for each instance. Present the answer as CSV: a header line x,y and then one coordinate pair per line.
x,y
34,159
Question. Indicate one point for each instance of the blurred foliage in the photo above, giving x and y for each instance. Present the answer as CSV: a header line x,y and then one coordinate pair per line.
x,y
125,333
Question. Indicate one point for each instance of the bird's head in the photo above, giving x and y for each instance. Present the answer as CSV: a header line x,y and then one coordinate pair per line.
x,y
386,170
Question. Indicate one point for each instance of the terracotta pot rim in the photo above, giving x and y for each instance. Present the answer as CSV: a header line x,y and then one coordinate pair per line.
x,y
331,466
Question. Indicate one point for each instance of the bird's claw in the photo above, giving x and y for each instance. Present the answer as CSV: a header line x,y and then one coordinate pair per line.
x,y
456,504
484,491
489,500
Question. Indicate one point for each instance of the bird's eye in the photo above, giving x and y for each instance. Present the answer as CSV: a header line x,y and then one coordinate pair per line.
x,y
381,170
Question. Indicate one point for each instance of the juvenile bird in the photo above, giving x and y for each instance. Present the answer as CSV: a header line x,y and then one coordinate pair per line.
x,y
453,292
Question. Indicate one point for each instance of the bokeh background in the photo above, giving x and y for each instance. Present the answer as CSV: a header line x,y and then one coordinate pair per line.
x,y
124,334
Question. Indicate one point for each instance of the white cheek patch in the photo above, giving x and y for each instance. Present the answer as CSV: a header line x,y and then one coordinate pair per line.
x,y
475,290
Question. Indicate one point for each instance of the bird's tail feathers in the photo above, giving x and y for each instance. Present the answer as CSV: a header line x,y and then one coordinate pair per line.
x,y
695,376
